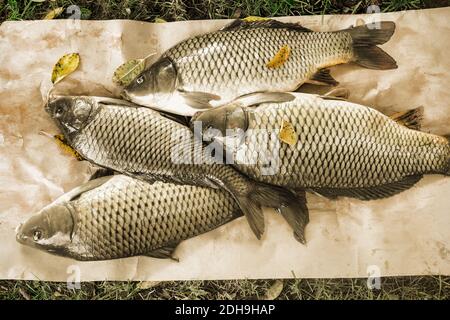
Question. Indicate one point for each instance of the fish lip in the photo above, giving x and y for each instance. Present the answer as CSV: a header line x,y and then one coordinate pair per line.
x,y
21,238
124,94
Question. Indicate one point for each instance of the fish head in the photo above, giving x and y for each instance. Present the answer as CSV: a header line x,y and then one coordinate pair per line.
x,y
50,230
221,121
71,113
160,80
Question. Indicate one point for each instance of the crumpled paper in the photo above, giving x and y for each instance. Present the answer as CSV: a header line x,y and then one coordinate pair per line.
x,y
407,234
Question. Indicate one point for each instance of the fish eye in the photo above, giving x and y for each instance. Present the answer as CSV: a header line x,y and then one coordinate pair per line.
x,y
59,111
140,80
37,235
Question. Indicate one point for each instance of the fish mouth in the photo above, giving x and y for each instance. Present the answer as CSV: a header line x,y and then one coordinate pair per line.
x,y
125,95
20,237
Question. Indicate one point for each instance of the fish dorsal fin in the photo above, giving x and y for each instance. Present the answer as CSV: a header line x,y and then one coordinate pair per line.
x,y
165,252
370,193
175,117
411,119
253,99
78,191
270,23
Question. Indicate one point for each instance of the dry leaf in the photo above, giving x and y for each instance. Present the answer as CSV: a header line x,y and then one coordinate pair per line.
x,y
62,143
65,66
280,57
160,20
254,18
274,291
287,133
129,70
360,22
37,0
53,13
25,295
126,72
147,284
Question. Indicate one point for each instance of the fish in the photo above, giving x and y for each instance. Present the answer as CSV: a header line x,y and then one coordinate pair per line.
x,y
214,69
152,146
341,149
118,216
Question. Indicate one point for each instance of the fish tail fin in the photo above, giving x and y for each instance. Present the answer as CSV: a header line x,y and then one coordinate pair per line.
x,y
365,40
253,213
292,207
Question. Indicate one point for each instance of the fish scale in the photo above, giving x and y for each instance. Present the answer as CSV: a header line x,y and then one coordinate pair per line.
x,y
126,217
235,62
340,145
126,139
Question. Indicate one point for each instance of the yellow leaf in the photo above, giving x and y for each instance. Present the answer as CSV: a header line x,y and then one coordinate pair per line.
x,y
287,133
126,72
274,291
254,18
62,143
147,284
65,66
129,70
53,13
160,20
280,57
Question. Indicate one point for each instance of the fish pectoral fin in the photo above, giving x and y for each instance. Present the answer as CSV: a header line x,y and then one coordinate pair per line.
x,y
269,23
199,100
254,99
371,193
411,119
322,77
114,102
102,172
337,94
296,214
150,178
165,252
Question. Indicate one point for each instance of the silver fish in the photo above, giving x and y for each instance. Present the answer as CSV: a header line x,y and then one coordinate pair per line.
x,y
215,68
147,145
118,217
342,148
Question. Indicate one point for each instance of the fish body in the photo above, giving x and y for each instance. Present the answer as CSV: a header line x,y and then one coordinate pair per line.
x,y
120,217
341,148
147,145
246,57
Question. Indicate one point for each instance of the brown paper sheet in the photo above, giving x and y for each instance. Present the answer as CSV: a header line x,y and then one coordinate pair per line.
x,y
403,235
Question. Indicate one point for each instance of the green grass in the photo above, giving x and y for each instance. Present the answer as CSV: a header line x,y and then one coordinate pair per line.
x,y
428,287
391,288
200,9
